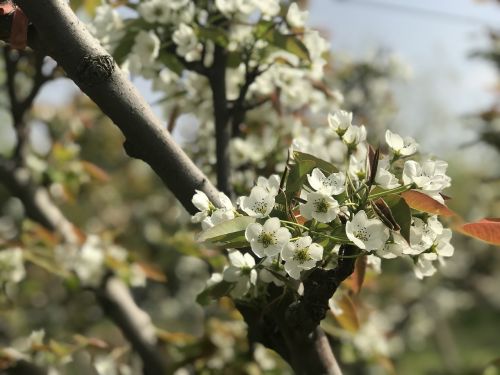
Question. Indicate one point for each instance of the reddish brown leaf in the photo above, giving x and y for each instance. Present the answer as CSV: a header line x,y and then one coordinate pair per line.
x,y
348,319
358,275
152,272
422,202
95,172
487,230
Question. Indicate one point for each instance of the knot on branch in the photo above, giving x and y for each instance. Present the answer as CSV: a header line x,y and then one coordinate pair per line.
x,y
95,69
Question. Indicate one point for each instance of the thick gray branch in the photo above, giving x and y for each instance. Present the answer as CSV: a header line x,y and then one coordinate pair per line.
x,y
62,36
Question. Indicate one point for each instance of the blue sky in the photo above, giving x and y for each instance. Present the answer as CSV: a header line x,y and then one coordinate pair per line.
x,y
436,43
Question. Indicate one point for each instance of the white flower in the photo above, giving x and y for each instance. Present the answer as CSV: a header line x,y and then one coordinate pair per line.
x,y
187,42
218,216
321,207
386,179
354,135
241,271
374,262
267,239
155,11
367,234
423,266
340,121
146,47
11,265
357,167
231,7
271,184
331,185
259,204
442,244
209,215
296,17
177,4
300,255
89,262
136,277
203,204
268,8
271,266
399,145
430,177
393,249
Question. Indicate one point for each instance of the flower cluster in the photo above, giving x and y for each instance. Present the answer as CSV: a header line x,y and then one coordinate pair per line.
x,y
94,258
288,225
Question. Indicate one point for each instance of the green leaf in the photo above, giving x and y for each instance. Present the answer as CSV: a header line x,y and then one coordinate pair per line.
x,y
401,213
233,59
124,47
319,163
214,292
215,34
122,50
172,62
378,192
267,31
297,176
91,5
230,233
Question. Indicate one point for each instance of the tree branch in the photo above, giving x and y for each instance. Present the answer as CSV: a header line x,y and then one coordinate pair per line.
x,y
19,107
217,79
58,33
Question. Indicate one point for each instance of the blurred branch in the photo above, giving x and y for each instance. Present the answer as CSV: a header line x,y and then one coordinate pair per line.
x,y
19,107
114,297
25,368
217,79
57,32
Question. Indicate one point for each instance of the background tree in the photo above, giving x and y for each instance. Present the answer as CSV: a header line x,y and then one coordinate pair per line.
x,y
272,66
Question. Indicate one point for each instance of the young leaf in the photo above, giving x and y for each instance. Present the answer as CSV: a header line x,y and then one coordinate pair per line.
x,y
228,233
422,202
152,272
124,47
348,319
359,273
384,213
172,62
95,172
401,213
318,163
297,176
487,230
378,192
215,34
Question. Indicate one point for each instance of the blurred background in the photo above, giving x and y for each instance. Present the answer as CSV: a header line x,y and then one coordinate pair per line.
x,y
421,68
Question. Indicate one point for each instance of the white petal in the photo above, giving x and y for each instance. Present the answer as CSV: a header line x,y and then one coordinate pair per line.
x,y
272,224
253,231
316,179
237,259
316,251
292,269
232,274
288,251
